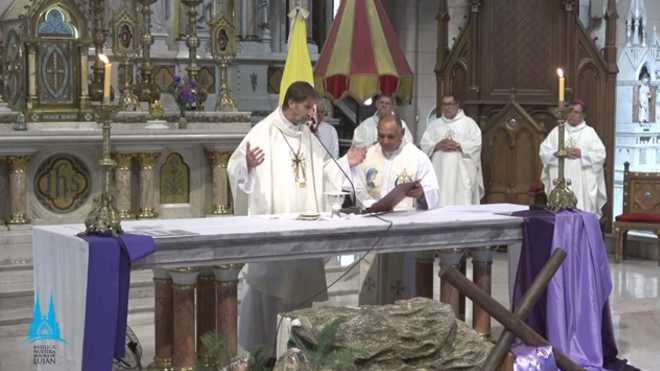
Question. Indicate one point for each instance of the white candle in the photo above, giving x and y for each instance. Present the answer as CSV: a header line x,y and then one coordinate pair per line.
x,y
562,84
107,76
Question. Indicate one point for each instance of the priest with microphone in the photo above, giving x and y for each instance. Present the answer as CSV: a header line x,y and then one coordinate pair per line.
x,y
279,168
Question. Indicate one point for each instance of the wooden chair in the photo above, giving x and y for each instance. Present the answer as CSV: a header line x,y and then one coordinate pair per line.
x,y
641,208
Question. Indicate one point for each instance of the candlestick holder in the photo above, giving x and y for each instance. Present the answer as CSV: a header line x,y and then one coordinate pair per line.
x,y
561,196
104,218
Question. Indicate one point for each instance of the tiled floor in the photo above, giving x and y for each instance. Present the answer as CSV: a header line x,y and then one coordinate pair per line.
x,y
635,307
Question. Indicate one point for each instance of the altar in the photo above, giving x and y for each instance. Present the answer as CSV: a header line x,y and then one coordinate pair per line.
x,y
197,262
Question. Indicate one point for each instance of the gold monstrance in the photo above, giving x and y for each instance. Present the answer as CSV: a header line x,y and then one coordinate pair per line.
x,y
104,219
561,196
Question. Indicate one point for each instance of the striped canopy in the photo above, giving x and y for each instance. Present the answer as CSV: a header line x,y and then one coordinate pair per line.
x,y
361,56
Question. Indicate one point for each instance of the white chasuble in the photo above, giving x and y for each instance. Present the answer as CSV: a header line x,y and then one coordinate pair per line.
x,y
366,133
459,172
585,173
293,177
393,275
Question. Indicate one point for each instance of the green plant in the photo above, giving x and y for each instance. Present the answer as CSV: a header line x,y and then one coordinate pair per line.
x,y
216,352
326,354
259,360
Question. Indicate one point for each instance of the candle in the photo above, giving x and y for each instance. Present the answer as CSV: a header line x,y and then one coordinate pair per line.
x,y
107,76
562,84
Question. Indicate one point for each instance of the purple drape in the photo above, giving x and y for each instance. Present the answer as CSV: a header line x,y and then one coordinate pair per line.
x,y
574,313
108,281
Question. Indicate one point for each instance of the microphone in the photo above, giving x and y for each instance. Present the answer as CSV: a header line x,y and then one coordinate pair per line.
x,y
354,209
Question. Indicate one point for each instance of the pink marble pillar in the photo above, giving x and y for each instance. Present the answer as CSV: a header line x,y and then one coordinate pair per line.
x,y
482,261
123,184
226,285
163,322
205,312
448,293
183,355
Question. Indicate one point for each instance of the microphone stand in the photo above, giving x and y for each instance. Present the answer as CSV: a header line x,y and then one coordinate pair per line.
x,y
354,208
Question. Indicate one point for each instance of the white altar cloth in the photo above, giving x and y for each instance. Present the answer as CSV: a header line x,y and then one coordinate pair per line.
x,y
60,257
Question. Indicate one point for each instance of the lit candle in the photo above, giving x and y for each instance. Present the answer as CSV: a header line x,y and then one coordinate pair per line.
x,y
562,84
107,76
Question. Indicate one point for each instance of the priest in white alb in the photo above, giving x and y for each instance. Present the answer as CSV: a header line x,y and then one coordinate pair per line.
x,y
389,162
453,142
280,167
584,164
366,133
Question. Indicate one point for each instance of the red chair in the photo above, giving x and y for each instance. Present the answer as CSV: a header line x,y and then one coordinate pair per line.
x,y
641,208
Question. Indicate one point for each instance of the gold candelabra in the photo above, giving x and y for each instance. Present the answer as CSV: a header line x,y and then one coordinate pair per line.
x,y
96,85
561,196
128,100
104,218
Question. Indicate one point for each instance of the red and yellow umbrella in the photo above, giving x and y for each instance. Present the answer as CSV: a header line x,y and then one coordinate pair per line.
x,y
361,56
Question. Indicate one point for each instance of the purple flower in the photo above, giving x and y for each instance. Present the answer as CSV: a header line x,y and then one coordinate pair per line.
x,y
177,79
193,83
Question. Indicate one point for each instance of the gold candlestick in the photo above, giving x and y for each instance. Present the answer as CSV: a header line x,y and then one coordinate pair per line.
x,y
561,196
104,218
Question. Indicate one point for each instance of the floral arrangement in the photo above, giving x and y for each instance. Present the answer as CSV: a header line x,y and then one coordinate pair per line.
x,y
187,94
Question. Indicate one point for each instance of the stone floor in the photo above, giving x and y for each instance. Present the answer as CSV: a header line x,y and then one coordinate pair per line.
x,y
635,304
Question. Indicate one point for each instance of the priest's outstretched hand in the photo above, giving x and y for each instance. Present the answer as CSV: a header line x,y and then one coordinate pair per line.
x,y
356,155
254,157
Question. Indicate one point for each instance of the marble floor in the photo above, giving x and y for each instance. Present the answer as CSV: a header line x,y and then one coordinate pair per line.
x,y
635,305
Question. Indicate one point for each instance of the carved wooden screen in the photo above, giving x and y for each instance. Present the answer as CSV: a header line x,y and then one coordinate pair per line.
x,y
513,47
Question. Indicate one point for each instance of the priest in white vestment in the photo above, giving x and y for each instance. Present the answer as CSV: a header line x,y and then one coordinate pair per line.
x,y
366,133
389,162
453,142
584,164
280,167
326,132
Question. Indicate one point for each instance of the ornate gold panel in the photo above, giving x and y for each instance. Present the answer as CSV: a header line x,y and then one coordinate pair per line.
x,y
62,183
174,180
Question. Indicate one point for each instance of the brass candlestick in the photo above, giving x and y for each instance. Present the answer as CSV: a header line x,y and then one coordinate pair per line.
x,y
96,85
192,41
128,100
561,196
223,48
147,90
104,218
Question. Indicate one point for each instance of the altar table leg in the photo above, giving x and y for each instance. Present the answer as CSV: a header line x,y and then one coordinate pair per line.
x,y
183,358
163,321
482,260
205,312
226,310
448,293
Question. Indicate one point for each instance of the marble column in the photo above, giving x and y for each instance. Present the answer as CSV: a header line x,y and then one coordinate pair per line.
x,y
123,184
205,312
482,261
219,162
448,293
226,310
147,178
163,321
17,188
183,355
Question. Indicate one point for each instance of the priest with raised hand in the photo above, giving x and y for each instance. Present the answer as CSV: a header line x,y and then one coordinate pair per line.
x,y
366,133
278,168
584,164
453,143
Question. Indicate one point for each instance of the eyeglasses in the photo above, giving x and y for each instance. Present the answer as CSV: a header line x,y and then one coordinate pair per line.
x,y
448,104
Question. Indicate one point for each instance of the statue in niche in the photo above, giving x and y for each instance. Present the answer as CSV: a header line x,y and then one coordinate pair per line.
x,y
645,96
223,39
125,36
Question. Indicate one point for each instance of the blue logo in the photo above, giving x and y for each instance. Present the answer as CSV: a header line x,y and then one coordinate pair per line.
x,y
44,327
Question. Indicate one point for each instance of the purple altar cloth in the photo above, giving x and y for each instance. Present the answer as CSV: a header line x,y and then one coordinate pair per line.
x,y
106,308
577,295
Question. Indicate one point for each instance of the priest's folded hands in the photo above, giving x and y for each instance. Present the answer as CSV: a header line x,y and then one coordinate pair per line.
x,y
447,145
